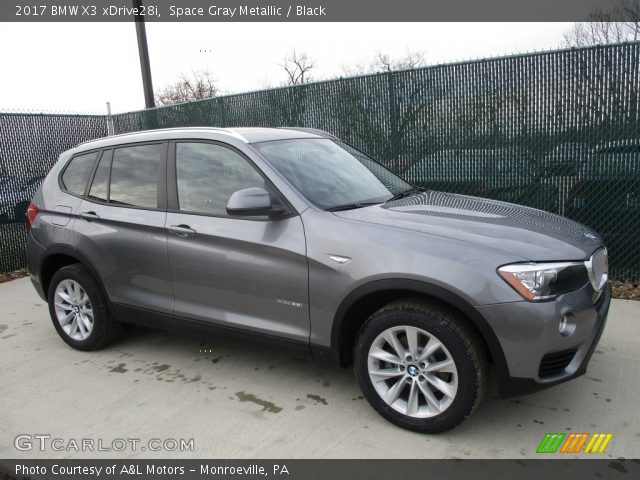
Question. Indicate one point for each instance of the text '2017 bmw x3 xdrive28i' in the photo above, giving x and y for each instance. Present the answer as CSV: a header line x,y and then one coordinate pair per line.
x,y
294,237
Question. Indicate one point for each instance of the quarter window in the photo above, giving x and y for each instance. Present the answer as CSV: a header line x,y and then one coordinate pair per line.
x,y
100,186
209,174
134,176
77,173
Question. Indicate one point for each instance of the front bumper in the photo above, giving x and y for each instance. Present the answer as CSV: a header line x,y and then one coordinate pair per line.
x,y
529,331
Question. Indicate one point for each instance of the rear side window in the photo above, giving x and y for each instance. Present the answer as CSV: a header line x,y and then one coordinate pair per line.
x,y
134,176
77,173
100,186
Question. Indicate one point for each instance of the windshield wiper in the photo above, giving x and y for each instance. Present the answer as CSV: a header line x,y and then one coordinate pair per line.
x,y
406,193
351,206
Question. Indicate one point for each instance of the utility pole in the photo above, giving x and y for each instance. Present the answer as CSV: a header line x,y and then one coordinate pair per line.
x,y
143,51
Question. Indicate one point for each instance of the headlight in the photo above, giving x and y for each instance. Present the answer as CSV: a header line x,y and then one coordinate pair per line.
x,y
544,281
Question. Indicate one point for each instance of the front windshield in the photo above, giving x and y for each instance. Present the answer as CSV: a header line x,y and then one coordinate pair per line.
x,y
331,175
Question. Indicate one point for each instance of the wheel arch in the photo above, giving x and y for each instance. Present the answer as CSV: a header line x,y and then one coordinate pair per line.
x,y
366,299
58,257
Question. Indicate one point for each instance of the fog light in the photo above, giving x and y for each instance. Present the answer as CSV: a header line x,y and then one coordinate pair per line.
x,y
567,325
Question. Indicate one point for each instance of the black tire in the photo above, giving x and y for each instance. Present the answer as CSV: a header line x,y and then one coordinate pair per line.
x,y
462,342
105,329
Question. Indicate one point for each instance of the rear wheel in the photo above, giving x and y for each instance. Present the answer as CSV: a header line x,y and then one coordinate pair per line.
x,y
420,366
79,311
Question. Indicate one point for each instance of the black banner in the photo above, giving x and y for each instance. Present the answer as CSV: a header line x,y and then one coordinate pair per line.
x,y
319,469
312,10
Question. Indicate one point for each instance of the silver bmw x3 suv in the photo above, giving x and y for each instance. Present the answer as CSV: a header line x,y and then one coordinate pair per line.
x,y
295,238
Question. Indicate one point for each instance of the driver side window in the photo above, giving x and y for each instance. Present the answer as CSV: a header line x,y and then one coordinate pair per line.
x,y
209,174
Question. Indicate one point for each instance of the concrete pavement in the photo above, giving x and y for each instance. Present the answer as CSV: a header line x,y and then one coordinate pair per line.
x,y
239,401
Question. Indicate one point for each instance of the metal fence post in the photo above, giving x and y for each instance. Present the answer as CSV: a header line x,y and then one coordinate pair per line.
x,y
110,127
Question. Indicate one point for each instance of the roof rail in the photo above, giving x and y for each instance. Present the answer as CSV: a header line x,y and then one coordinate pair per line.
x,y
226,131
316,131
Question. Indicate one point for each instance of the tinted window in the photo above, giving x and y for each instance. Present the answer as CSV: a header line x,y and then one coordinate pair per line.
x,y
100,185
389,179
209,174
329,175
134,176
77,173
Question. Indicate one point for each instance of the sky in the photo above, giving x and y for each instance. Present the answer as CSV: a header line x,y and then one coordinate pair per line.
x,y
78,67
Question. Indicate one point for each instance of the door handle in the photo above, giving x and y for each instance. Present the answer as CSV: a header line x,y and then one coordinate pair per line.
x,y
90,216
182,230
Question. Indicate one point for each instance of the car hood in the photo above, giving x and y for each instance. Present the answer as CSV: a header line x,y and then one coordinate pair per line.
x,y
526,232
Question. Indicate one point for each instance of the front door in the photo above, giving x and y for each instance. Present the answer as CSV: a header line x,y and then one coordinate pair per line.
x,y
247,273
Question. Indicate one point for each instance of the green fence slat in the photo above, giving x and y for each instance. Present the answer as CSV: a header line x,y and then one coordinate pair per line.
x,y
557,130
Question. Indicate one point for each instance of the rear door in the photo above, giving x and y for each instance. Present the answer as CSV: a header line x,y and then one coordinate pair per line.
x,y
120,226
246,273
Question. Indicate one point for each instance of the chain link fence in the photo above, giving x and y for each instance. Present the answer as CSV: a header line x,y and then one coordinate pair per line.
x,y
556,130
29,146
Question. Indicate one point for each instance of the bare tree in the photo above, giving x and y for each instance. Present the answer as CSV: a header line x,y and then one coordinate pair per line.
x,y
383,62
298,67
604,26
385,116
196,86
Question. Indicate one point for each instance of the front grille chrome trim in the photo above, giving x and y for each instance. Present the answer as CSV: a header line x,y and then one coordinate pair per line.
x,y
598,269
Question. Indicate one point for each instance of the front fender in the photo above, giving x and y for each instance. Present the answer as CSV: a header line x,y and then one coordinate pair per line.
x,y
421,288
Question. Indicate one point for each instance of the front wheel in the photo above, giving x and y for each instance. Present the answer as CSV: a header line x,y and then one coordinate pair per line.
x,y
420,366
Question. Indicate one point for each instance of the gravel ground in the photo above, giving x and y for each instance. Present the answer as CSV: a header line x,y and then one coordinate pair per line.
x,y
625,290
7,277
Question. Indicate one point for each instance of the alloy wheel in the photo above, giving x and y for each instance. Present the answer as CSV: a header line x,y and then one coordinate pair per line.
x,y
73,310
412,371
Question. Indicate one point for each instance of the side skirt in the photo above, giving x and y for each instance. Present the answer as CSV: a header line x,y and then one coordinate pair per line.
x,y
204,330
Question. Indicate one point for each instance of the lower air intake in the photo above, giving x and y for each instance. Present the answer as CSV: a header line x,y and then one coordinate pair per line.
x,y
554,363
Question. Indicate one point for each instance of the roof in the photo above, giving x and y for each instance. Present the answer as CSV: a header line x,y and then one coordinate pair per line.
x,y
241,134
